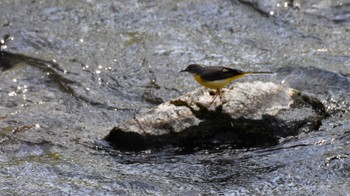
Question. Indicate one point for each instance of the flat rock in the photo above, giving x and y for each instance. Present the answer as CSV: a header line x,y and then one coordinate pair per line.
x,y
244,115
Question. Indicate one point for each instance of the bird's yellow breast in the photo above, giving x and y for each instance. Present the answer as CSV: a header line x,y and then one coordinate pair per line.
x,y
216,84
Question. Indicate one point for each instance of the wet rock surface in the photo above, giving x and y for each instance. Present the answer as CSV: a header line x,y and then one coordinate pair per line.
x,y
72,70
246,115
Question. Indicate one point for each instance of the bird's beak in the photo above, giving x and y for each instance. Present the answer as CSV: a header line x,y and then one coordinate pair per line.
x,y
185,70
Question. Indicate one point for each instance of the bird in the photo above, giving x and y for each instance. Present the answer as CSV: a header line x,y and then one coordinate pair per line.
x,y
216,77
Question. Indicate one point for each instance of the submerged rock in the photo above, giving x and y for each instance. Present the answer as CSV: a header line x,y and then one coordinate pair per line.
x,y
245,115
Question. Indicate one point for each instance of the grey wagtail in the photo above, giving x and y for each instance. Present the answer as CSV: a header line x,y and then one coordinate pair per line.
x,y
216,77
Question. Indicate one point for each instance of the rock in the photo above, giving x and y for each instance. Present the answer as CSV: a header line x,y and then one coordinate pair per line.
x,y
264,6
8,60
245,115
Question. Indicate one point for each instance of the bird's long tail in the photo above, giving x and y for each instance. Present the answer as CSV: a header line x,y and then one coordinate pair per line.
x,y
257,72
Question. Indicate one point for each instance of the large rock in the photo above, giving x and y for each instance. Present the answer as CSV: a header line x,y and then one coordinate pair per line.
x,y
245,115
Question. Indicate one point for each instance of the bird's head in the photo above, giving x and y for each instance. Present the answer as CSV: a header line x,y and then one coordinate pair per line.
x,y
193,69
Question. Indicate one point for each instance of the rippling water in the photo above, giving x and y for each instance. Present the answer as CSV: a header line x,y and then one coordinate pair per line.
x,y
70,71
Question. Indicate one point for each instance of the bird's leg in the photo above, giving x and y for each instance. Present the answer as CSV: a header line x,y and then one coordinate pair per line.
x,y
217,93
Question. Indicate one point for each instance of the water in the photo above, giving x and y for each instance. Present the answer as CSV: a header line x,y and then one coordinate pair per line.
x,y
89,65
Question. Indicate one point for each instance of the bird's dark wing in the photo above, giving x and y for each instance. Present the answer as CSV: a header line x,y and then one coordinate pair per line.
x,y
212,73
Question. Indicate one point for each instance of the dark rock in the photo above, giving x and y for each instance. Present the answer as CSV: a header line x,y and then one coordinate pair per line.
x,y
8,60
245,115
